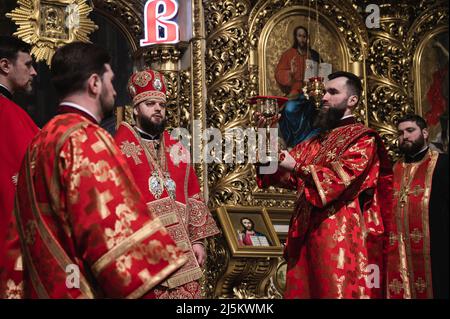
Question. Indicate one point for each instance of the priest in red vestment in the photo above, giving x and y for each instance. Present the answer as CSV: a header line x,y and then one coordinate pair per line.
x,y
162,170
418,232
84,229
290,70
16,131
342,175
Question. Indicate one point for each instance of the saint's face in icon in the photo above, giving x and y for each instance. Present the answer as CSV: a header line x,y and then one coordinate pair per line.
x,y
300,38
247,223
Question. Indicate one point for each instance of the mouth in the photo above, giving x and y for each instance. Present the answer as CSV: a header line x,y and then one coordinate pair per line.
x,y
407,143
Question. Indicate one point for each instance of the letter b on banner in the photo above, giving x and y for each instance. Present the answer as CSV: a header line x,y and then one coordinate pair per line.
x,y
158,25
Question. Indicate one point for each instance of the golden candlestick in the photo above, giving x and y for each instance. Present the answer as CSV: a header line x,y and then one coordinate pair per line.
x,y
315,90
269,107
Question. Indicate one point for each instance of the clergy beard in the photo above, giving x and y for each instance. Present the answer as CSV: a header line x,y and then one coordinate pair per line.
x,y
412,147
151,128
328,118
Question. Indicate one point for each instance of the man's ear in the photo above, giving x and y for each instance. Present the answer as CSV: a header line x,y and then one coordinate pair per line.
x,y
94,84
352,101
5,65
135,110
425,134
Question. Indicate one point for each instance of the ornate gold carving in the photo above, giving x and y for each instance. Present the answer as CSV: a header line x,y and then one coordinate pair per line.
x,y
217,260
164,57
227,84
230,184
273,197
391,60
184,101
277,284
48,25
241,277
126,15
172,84
198,70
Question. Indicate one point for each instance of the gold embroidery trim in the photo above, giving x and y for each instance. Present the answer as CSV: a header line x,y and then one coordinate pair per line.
x,y
318,185
147,95
426,222
407,239
403,267
54,184
157,278
48,238
34,277
184,245
169,219
146,231
337,166
184,278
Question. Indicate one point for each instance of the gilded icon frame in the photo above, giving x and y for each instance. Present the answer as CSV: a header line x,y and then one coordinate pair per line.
x,y
424,66
342,59
229,218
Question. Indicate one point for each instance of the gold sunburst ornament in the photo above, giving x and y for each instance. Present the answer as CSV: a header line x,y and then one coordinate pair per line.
x,y
50,24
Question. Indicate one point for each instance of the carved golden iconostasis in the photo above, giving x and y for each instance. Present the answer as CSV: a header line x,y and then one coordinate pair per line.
x,y
232,56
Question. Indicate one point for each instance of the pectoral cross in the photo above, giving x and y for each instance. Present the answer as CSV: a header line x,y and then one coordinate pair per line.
x,y
403,194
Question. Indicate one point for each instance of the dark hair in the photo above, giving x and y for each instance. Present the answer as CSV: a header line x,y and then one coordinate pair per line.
x,y
295,43
413,118
11,46
353,82
74,63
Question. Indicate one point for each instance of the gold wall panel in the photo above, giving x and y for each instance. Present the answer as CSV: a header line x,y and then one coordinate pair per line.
x,y
392,57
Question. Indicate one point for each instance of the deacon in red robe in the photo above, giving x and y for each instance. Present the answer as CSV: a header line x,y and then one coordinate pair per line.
x,y
418,232
334,244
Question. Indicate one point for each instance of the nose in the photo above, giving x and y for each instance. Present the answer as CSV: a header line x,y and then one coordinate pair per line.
x,y
33,71
325,97
157,107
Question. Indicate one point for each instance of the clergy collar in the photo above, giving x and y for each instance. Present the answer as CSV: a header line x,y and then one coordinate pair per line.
x,y
418,156
347,120
69,107
5,92
147,136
